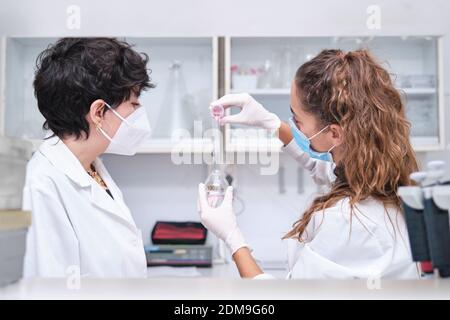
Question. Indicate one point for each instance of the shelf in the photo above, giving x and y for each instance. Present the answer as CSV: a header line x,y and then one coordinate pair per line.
x,y
422,144
264,92
277,92
185,146
272,145
419,91
161,146
155,146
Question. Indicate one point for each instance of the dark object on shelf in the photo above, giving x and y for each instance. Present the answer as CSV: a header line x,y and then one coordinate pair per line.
x,y
168,232
179,255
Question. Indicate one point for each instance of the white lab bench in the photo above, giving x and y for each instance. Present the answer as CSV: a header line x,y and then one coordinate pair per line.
x,y
221,288
222,270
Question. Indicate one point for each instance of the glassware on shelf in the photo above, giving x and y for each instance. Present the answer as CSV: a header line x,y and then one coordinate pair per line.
x,y
422,113
422,81
176,111
29,124
264,81
289,65
415,81
402,81
286,60
14,155
244,77
276,79
30,130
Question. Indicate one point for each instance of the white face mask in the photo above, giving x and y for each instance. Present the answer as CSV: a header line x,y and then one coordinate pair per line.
x,y
132,133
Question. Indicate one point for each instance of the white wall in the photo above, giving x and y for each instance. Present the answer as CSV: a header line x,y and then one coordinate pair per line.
x,y
231,17
156,189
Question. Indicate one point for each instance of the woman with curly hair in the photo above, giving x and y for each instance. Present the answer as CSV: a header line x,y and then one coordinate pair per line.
x,y
348,128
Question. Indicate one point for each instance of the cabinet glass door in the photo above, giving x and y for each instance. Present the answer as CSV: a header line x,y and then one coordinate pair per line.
x,y
183,70
265,68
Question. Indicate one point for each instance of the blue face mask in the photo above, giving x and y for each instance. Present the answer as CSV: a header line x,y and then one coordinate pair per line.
x,y
304,143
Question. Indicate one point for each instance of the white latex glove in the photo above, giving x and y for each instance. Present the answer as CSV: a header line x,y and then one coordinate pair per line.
x,y
221,220
252,114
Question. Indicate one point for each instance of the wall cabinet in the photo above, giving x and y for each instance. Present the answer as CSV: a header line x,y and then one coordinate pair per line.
x,y
265,67
186,71
183,69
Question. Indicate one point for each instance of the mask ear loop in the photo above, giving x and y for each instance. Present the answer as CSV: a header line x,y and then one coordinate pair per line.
x,y
98,125
99,129
117,114
329,150
316,134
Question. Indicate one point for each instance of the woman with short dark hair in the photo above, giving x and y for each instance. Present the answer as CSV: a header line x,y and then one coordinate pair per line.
x,y
87,89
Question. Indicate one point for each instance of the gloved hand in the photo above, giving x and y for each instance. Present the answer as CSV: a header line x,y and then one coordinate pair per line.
x,y
221,220
252,114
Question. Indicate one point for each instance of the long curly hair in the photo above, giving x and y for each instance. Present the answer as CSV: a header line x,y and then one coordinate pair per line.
x,y
354,91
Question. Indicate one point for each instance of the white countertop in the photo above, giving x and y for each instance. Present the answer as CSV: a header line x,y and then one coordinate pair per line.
x,y
222,288
220,270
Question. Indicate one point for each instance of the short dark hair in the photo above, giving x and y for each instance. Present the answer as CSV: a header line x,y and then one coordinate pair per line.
x,y
74,72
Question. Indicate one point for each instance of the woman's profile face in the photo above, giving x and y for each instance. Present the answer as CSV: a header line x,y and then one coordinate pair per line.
x,y
308,123
111,122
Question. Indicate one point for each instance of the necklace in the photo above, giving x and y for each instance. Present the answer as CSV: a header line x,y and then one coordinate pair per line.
x,y
94,175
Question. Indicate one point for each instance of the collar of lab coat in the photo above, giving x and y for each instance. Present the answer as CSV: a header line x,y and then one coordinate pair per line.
x,y
64,160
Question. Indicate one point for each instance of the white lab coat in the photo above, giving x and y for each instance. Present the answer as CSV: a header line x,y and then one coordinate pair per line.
x,y
370,244
76,225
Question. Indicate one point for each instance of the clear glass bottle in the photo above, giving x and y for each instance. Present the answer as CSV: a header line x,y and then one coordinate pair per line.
x,y
216,186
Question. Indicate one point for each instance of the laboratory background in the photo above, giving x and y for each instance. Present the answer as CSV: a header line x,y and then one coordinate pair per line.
x,y
199,51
